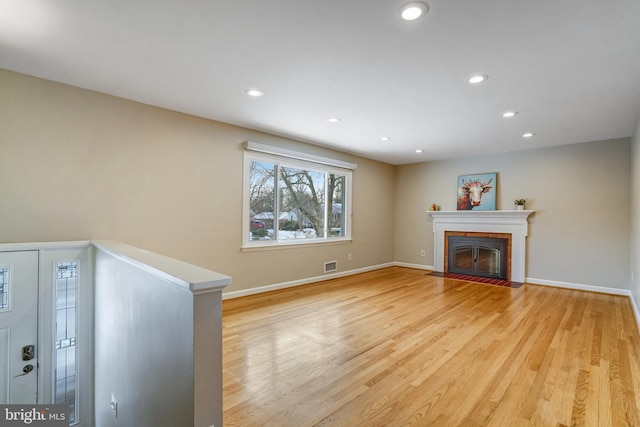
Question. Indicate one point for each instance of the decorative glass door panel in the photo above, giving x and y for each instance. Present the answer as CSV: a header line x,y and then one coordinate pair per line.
x,y
489,260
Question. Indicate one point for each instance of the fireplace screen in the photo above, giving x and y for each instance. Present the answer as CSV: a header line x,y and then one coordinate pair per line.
x,y
477,256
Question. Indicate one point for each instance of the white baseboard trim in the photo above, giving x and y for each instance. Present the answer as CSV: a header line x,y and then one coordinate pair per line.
x,y
417,266
578,286
307,281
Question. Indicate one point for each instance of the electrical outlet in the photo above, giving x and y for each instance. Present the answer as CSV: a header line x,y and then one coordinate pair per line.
x,y
114,405
350,257
423,253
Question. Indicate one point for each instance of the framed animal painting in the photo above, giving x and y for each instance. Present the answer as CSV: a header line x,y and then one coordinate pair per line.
x,y
477,192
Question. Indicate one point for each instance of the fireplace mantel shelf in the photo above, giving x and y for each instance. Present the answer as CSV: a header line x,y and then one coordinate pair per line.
x,y
484,215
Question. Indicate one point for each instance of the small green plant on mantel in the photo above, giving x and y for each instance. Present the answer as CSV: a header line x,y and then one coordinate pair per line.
x,y
519,202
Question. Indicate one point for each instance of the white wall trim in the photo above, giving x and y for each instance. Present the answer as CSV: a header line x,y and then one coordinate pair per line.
x,y
39,246
307,281
578,286
283,152
416,266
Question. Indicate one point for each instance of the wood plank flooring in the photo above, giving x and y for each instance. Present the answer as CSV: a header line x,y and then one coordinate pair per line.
x,y
396,347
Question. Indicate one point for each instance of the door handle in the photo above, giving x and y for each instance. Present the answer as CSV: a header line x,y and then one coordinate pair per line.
x,y
28,352
25,370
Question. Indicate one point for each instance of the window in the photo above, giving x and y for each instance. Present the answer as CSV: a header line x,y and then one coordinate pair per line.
x,y
294,199
66,351
4,288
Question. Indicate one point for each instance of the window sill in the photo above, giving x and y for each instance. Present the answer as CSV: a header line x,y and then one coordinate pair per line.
x,y
271,245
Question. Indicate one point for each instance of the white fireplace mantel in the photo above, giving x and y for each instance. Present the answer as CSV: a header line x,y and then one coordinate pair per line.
x,y
513,222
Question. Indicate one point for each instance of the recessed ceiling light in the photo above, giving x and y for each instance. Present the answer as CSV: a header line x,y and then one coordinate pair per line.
x,y
528,134
256,93
477,79
385,138
333,119
418,151
509,114
414,10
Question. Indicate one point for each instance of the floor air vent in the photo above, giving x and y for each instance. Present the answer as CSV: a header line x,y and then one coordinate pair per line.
x,y
330,266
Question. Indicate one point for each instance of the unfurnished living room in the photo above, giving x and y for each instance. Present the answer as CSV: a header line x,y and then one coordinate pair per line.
x,y
356,213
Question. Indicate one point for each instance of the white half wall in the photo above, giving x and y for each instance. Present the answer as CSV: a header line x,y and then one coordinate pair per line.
x,y
158,340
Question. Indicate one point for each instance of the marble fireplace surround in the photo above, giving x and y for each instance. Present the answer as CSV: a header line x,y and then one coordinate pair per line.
x,y
512,222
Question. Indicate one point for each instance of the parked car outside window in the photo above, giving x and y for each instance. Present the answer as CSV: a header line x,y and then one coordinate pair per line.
x,y
257,225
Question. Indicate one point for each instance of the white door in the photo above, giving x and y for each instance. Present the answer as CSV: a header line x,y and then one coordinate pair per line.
x,y
18,327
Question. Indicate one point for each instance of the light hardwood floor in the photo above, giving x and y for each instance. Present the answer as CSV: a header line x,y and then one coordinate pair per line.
x,y
396,347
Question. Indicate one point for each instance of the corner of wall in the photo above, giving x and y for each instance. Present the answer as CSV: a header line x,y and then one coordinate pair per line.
x,y
634,265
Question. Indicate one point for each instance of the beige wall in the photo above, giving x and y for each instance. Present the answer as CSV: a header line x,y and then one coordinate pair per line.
x,y
81,165
580,231
635,217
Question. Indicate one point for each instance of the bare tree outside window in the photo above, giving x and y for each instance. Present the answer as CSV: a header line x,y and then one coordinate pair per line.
x,y
335,203
262,200
295,205
302,201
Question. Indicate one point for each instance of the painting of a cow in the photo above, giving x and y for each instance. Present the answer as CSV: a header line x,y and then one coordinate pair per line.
x,y
472,188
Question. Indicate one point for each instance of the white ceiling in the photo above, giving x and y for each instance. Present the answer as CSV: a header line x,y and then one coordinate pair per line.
x,y
569,67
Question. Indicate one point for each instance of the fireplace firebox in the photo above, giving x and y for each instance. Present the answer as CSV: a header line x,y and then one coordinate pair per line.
x,y
477,256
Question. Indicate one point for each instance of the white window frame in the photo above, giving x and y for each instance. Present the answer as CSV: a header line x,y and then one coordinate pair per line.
x,y
288,158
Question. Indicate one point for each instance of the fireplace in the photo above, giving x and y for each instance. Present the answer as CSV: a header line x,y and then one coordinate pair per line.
x,y
513,224
478,254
